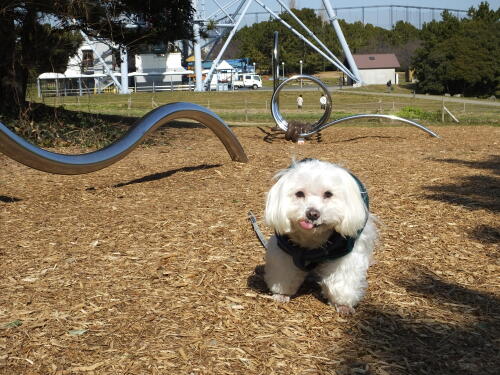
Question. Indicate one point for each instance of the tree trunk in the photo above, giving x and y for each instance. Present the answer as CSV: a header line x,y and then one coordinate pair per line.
x,y
12,83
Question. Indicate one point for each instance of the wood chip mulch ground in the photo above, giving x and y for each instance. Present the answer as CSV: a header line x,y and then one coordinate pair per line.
x,y
150,266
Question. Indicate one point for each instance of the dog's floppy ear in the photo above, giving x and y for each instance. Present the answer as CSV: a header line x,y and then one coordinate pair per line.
x,y
275,215
357,212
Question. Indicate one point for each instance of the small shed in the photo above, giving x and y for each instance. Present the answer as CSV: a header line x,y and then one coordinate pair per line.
x,y
377,68
224,71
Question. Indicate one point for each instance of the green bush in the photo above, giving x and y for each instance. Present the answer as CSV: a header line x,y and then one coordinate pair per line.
x,y
410,112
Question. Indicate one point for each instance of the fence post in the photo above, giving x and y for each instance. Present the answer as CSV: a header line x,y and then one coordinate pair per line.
x,y
246,111
380,109
442,109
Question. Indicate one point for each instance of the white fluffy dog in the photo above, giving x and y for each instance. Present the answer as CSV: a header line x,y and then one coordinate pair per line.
x,y
319,212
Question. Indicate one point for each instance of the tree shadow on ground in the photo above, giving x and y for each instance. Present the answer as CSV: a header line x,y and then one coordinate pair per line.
x,y
471,192
367,137
7,199
474,193
407,340
159,176
492,164
486,233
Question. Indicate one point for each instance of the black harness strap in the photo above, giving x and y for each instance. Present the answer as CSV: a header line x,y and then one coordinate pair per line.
x,y
306,259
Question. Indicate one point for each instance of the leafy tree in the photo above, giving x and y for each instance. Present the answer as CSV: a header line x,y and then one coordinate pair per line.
x,y
460,56
40,35
256,41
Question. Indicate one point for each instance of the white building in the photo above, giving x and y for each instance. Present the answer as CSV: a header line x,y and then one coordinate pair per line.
x,y
88,71
158,69
86,60
377,69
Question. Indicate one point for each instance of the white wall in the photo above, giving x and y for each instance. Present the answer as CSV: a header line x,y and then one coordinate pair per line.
x,y
153,63
378,76
75,62
174,61
150,63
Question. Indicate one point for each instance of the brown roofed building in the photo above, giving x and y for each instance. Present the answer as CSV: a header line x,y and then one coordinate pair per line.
x,y
377,68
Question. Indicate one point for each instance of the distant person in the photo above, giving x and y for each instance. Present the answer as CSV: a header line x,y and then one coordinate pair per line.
x,y
300,101
322,101
389,85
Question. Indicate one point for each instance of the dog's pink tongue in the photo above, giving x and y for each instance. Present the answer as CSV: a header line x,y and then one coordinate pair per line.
x,y
306,225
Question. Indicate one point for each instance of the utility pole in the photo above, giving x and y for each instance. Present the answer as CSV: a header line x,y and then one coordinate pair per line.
x,y
345,47
124,70
197,48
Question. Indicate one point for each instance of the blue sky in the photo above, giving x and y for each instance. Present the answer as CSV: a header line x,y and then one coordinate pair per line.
x,y
376,16
316,4
453,4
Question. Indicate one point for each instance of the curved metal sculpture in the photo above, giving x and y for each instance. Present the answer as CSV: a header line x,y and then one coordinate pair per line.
x,y
278,118
275,62
24,152
355,117
322,123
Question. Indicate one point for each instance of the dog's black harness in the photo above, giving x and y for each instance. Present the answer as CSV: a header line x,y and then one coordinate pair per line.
x,y
335,247
306,259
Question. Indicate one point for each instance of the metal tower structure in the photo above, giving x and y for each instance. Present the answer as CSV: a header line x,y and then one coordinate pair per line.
x,y
227,18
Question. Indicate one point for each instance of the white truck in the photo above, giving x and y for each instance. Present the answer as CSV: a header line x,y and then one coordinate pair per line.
x,y
247,80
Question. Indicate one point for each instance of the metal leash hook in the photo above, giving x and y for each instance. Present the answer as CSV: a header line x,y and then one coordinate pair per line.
x,y
24,152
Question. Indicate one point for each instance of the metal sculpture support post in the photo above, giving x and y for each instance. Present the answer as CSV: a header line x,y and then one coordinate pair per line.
x,y
24,152
275,61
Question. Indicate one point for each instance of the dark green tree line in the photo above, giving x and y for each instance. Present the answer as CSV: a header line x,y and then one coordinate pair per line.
x,y
256,41
461,56
38,36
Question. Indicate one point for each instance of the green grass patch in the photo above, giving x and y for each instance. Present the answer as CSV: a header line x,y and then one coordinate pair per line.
x,y
410,112
97,120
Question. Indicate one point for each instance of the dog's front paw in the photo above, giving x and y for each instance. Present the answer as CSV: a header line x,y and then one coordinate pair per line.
x,y
281,298
344,309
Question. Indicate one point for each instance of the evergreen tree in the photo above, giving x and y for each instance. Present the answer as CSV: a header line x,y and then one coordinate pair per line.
x,y
460,56
37,36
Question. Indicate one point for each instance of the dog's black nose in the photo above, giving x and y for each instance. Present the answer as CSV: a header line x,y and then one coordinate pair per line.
x,y
312,214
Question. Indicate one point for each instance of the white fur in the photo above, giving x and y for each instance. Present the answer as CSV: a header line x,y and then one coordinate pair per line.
x,y
343,281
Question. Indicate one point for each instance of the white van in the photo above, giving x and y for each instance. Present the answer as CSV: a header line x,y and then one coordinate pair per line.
x,y
248,80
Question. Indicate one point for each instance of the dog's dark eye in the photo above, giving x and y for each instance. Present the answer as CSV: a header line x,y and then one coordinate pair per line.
x,y
300,194
327,194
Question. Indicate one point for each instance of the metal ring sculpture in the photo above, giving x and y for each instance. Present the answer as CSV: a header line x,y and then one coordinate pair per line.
x,y
278,117
322,123
24,152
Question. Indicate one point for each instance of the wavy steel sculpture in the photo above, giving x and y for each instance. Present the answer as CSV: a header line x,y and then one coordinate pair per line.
x,y
322,124
24,152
